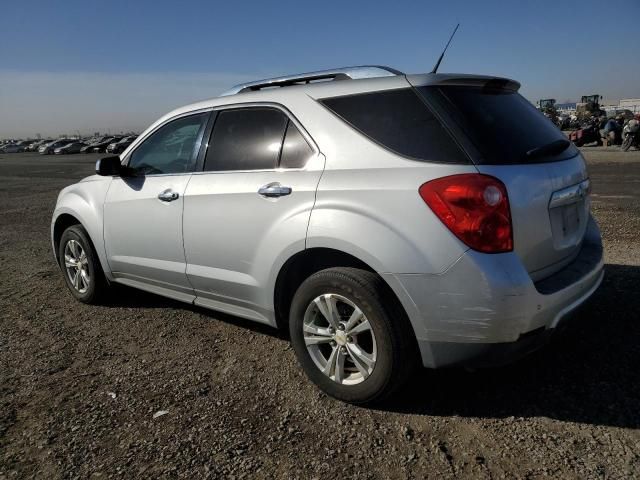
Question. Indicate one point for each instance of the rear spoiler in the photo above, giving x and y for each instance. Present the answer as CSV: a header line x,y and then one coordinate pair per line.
x,y
463,80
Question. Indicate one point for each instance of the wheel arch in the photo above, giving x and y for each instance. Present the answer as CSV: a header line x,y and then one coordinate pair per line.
x,y
61,223
68,219
305,263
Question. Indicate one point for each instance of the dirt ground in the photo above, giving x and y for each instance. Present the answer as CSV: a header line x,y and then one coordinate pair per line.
x,y
81,386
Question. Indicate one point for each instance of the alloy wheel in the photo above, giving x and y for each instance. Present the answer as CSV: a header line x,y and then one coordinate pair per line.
x,y
339,339
77,266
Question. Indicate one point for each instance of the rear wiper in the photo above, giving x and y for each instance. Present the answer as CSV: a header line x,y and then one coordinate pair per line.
x,y
554,147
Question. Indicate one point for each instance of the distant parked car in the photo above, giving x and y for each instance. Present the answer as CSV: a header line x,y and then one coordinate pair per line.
x,y
12,148
90,143
49,148
73,147
100,146
25,143
16,147
121,145
33,146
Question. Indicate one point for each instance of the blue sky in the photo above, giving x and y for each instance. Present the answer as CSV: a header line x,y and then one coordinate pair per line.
x,y
88,65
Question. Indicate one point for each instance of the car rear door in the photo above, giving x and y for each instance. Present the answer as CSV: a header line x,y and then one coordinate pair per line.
x,y
143,211
249,208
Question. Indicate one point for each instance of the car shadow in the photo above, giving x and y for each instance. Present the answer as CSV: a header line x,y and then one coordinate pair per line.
x,y
589,373
128,297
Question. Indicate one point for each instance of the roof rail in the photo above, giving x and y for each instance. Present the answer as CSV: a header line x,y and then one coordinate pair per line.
x,y
344,73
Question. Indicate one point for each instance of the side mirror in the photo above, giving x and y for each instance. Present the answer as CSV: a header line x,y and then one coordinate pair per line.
x,y
109,166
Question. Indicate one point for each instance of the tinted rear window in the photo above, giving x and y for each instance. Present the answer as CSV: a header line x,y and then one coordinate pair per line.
x,y
246,139
501,124
400,121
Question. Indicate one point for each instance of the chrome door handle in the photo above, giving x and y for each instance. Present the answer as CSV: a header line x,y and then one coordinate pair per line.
x,y
168,195
273,190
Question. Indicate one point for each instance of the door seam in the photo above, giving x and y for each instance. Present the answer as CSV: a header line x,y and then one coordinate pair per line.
x,y
184,250
104,241
315,199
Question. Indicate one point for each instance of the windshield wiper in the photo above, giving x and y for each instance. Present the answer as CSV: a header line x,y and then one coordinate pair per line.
x,y
554,147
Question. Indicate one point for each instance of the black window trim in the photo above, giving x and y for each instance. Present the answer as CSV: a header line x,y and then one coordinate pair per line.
x,y
434,111
450,125
199,170
197,149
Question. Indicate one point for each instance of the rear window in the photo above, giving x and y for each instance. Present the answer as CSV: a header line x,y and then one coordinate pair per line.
x,y
501,124
295,149
400,121
246,139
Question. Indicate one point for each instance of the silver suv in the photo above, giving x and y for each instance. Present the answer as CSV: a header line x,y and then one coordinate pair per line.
x,y
388,220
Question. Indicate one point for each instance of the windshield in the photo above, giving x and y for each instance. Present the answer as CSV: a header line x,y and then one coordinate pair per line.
x,y
501,124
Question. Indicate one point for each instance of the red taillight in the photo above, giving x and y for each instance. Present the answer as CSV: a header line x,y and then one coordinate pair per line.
x,y
474,207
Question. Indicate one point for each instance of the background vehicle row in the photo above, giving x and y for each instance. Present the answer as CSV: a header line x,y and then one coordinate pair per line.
x,y
64,146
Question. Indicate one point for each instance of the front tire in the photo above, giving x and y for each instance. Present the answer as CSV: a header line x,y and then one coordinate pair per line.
x,y
626,144
80,265
349,336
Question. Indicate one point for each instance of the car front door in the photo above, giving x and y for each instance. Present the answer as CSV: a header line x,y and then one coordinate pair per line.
x,y
143,209
249,208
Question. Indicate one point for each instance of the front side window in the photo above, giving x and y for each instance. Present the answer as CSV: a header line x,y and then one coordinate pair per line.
x,y
171,148
246,139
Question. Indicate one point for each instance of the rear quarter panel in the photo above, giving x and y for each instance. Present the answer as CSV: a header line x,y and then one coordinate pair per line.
x,y
368,205
378,216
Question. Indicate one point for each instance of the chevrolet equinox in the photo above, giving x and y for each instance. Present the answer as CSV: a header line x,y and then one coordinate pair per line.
x,y
387,220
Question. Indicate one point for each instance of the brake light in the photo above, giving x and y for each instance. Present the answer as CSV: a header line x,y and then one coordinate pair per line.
x,y
474,207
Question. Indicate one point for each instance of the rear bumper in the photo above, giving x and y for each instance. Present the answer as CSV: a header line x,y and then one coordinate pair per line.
x,y
485,309
480,355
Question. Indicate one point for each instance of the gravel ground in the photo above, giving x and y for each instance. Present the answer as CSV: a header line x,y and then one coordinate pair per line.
x,y
147,387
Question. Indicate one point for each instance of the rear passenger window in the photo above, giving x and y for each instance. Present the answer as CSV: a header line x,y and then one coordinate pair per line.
x,y
246,139
399,121
295,149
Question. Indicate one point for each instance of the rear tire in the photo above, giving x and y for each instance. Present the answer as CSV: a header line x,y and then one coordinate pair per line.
x,y
371,351
626,144
81,267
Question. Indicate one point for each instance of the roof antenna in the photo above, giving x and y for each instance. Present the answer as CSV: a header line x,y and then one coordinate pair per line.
x,y
435,69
